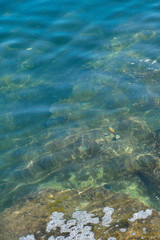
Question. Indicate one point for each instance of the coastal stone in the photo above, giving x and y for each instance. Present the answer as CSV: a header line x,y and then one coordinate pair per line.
x,y
91,214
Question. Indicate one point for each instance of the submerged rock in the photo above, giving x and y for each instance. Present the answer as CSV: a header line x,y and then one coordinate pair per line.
x,y
81,157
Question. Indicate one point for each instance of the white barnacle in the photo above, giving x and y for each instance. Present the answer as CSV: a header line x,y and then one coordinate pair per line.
x,y
84,218
57,221
141,215
107,219
28,237
122,229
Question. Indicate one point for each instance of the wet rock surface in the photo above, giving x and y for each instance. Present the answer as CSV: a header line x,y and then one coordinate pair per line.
x,y
97,213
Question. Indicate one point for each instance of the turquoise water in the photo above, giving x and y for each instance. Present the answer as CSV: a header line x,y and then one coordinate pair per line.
x,y
79,97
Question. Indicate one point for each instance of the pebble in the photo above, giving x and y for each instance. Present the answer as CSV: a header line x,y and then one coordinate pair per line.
x,y
147,60
117,137
154,62
111,130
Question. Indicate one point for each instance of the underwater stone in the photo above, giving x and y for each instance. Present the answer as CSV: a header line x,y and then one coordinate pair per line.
x,y
28,237
57,221
107,219
141,215
154,62
147,60
117,137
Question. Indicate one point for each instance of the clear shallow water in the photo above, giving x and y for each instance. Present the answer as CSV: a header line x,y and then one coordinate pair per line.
x,y
70,71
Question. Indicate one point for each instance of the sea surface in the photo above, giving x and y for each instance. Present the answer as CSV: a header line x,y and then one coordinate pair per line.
x,y
79,97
